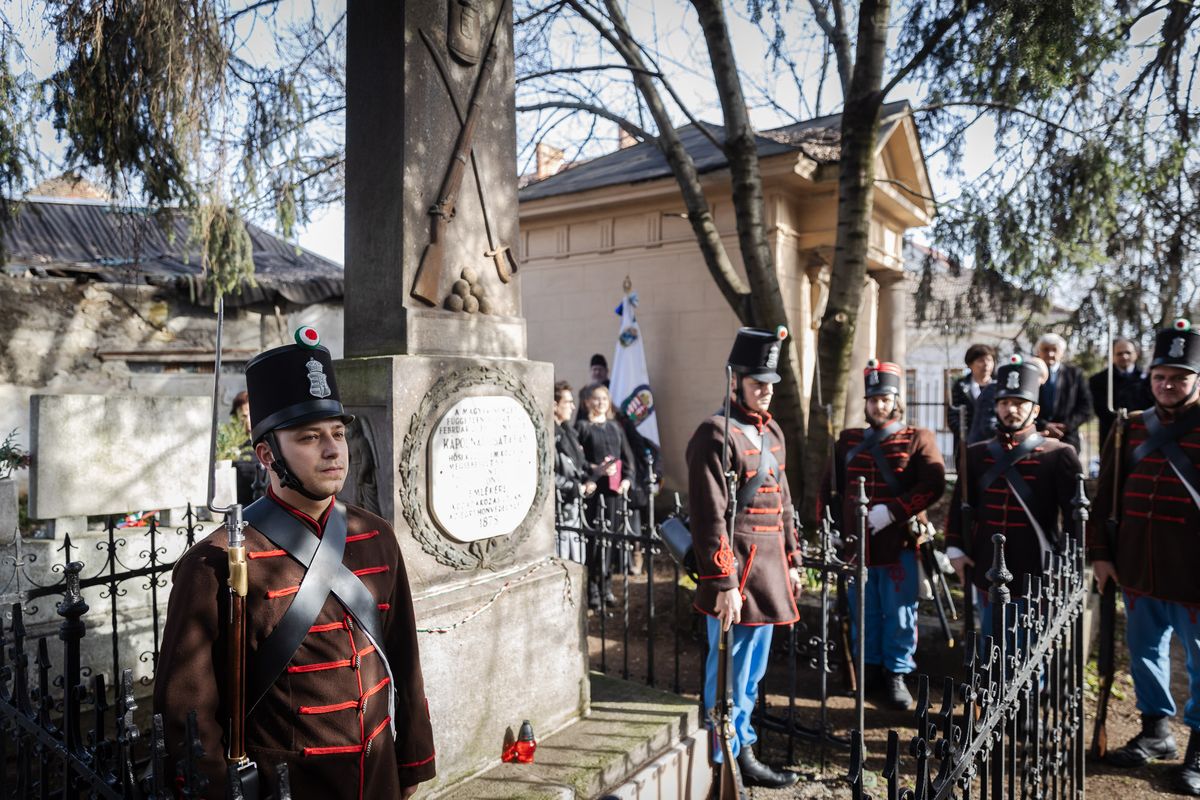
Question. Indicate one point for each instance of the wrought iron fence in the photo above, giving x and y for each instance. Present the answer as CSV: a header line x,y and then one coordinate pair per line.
x,y
1012,725
71,734
611,533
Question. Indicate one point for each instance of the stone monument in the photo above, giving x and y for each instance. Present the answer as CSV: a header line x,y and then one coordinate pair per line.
x,y
453,442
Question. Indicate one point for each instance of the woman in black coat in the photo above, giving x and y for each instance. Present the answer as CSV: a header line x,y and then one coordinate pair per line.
x,y
610,463
572,475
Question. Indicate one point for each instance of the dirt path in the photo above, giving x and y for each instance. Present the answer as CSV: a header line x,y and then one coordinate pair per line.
x,y
682,632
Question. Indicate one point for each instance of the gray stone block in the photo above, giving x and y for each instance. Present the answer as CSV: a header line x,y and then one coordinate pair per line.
x,y
97,454
8,512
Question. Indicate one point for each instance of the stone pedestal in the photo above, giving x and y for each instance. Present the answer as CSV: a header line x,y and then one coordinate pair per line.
x,y
503,637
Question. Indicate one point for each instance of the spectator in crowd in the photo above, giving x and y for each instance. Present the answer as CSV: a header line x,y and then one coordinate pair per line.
x,y
571,476
645,476
610,463
597,375
980,360
1131,385
1064,398
251,476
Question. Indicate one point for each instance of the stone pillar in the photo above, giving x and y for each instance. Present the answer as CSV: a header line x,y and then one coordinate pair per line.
x,y
891,342
864,350
454,439
8,512
407,92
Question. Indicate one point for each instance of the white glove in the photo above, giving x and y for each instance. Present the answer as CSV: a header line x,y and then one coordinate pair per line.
x,y
879,517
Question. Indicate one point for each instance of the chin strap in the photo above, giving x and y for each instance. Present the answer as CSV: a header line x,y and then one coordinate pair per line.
x,y
286,478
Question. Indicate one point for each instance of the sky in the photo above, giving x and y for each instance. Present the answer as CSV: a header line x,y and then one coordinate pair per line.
x,y
669,27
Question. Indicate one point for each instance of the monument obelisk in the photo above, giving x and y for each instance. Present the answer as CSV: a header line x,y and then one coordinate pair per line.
x,y
454,440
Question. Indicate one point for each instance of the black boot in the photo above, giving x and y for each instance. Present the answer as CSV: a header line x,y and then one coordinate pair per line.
x,y
1187,779
1153,743
755,773
894,693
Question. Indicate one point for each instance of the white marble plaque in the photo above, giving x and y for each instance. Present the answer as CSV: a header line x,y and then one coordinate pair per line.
x,y
483,468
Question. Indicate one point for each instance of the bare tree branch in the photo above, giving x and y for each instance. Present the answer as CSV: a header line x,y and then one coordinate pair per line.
x,y
546,73
591,108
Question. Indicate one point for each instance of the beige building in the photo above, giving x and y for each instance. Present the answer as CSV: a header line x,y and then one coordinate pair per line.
x,y
586,228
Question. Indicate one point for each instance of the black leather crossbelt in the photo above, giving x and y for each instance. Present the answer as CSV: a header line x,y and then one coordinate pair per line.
x,y
325,573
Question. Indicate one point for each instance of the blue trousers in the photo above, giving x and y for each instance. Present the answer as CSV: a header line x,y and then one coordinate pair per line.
x,y
891,615
1148,627
751,647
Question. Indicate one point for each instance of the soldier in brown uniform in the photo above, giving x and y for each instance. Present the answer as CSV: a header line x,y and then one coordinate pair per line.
x,y
1156,549
334,685
752,581
1022,485
905,475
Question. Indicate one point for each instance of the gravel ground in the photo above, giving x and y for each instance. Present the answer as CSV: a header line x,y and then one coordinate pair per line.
x,y
827,779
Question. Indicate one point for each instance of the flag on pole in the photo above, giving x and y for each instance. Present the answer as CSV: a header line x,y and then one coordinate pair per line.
x,y
629,383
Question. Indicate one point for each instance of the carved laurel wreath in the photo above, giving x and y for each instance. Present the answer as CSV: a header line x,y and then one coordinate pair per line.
x,y
490,553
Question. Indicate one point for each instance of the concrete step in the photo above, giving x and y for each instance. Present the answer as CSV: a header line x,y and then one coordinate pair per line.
x,y
636,743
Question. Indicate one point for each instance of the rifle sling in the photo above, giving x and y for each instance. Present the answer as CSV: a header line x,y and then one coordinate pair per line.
x,y
871,440
1006,467
322,558
1165,439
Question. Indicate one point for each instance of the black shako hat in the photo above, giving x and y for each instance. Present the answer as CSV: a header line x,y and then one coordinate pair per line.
x,y
292,384
881,377
755,353
1177,346
1018,378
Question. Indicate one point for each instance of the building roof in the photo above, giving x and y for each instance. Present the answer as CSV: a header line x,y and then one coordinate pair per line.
x,y
817,139
99,241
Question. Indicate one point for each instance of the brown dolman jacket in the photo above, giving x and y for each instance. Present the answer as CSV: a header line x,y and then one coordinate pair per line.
x,y
327,714
1158,536
764,543
1051,472
917,463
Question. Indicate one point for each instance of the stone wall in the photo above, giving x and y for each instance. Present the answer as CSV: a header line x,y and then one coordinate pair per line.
x,y
63,337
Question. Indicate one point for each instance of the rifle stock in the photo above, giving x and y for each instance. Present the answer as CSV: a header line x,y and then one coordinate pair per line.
x,y
729,782
242,771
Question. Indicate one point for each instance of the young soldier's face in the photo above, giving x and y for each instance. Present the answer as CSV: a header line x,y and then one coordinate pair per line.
x,y
1173,386
756,394
880,409
1013,411
316,453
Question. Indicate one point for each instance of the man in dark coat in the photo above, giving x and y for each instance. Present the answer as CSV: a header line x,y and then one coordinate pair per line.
x,y
1064,398
1150,547
1131,386
1021,485
905,475
752,579
342,702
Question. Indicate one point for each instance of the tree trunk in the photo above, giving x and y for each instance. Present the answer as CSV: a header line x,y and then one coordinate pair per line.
x,y
741,152
856,177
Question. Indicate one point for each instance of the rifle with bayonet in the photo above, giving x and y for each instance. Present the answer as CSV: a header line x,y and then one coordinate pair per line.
x,y
242,772
1105,656
729,782
966,522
